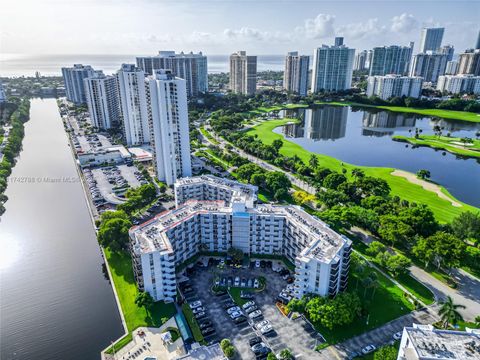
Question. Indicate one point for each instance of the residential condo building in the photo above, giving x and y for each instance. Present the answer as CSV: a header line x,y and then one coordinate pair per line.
x,y
459,84
103,100
424,342
451,68
477,45
391,60
133,102
74,86
429,65
168,124
191,67
448,50
3,96
389,86
469,62
224,218
295,77
332,68
243,73
360,62
431,39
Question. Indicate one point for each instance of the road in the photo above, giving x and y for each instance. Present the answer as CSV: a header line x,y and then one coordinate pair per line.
x,y
467,292
267,166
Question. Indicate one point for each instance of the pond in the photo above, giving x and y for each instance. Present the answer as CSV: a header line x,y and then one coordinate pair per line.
x,y
364,137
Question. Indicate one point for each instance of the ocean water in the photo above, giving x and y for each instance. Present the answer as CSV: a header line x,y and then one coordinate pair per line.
x,y
26,65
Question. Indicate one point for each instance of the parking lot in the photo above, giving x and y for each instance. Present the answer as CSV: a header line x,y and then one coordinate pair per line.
x,y
296,335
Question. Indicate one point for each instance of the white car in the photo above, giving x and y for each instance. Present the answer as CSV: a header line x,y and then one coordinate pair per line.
x,y
195,304
257,263
261,324
248,304
266,329
233,309
397,335
235,314
256,284
237,281
368,349
198,309
255,314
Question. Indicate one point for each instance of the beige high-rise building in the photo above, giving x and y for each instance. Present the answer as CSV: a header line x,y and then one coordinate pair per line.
x,y
469,62
295,77
243,73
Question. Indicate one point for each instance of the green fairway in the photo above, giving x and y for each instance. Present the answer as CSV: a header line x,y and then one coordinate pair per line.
x,y
443,209
446,114
452,145
120,265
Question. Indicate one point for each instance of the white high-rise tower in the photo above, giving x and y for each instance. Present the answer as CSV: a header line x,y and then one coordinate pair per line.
x,y
131,86
168,122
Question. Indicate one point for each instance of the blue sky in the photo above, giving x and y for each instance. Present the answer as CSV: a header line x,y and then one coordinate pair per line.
x,y
221,27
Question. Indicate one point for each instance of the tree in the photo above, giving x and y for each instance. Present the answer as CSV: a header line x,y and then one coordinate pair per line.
x,y
332,181
277,144
229,351
443,248
477,321
448,312
375,247
420,218
271,356
144,299
467,226
341,310
236,254
358,173
398,264
313,161
276,180
297,305
393,230
423,174
258,179
286,354
113,233
386,353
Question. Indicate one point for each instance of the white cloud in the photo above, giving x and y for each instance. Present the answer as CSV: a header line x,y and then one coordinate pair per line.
x,y
361,30
404,23
320,27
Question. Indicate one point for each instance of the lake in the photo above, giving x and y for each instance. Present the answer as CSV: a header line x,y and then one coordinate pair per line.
x,y
55,302
364,137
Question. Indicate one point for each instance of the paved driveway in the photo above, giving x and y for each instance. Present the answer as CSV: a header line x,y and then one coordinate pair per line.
x,y
467,293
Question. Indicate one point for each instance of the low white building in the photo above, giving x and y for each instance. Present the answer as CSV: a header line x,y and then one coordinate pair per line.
x,y
457,84
389,86
424,342
117,154
321,256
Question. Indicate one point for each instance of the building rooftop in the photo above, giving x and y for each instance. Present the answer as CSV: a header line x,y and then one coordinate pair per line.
x,y
246,191
324,245
433,344
212,352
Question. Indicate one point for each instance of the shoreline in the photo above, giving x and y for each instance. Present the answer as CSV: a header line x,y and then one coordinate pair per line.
x,y
432,143
92,218
399,186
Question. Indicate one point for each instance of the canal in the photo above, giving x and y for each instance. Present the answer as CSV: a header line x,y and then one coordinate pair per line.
x,y
55,301
364,137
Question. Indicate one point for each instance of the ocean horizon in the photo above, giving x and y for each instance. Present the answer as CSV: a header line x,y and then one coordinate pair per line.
x,y
14,65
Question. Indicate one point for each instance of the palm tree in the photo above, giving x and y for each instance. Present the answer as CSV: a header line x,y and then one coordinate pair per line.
x,y
448,312
313,162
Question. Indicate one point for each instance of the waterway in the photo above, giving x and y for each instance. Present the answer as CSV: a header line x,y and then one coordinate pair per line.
x,y
364,137
55,302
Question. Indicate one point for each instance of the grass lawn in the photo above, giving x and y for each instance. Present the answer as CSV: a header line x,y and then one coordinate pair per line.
x,y
192,323
446,114
443,209
444,143
235,294
386,304
120,344
208,136
120,265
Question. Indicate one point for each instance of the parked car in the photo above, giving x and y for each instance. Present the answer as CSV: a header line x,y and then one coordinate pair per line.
x,y
368,349
200,315
195,304
237,281
233,309
243,282
251,309
397,335
266,329
205,324
240,319
229,304
257,347
248,304
235,314
198,310
255,314
256,284
262,324
257,263
254,340
220,293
